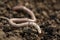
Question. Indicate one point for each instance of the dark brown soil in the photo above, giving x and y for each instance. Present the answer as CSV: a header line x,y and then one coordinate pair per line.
x,y
47,13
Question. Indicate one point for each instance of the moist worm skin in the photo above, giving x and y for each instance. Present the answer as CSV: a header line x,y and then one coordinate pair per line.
x,y
26,10
14,20
4,18
28,21
22,24
21,19
25,24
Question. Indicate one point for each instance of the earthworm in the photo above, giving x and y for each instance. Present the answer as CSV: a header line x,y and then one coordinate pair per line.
x,y
22,24
4,18
27,10
26,23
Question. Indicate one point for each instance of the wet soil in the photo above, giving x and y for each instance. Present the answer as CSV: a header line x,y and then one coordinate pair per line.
x,y
47,13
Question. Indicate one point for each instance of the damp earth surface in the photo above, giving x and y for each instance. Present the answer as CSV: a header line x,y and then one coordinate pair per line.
x,y
47,13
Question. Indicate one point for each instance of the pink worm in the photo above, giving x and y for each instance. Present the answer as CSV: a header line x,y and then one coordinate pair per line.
x,y
22,24
27,10
27,20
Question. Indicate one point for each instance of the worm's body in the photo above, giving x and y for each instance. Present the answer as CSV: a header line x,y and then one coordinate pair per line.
x,y
26,10
25,24
26,21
